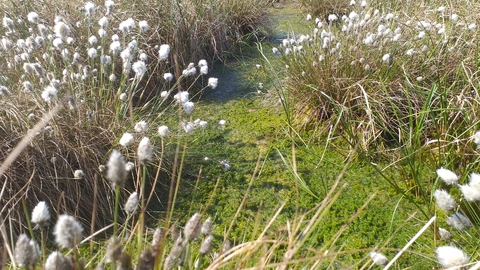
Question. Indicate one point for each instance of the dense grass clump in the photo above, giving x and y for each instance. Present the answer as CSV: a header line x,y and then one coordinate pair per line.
x,y
383,70
77,75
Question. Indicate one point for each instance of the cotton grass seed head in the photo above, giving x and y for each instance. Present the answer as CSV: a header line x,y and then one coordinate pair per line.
x,y
212,82
130,166
33,17
476,138
127,139
157,237
193,227
146,260
163,131
67,231
89,8
447,176
206,246
470,193
131,206
127,25
49,94
168,77
444,200
4,91
93,40
78,174
62,30
57,261
116,173
140,126
26,252
444,234
207,227
164,52
189,127
225,164
188,107
139,68
92,53
145,150
378,258
450,256
458,221
7,22
114,249
103,22
143,25
204,70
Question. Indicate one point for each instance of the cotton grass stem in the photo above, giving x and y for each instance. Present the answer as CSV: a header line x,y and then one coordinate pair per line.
x,y
179,175
115,214
142,211
27,216
162,150
425,227
476,266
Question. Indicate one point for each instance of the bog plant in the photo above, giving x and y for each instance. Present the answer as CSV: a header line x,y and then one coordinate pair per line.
x,y
387,73
70,87
85,135
102,71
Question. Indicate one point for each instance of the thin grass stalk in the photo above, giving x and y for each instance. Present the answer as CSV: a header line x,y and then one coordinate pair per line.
x,y
419,233
43,245
159,167
242,203
141,217
94,210
256,244
115,213
27,217
6,240
179,175
168,214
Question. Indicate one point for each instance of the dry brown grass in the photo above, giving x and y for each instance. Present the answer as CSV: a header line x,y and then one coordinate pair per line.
x,y
81,138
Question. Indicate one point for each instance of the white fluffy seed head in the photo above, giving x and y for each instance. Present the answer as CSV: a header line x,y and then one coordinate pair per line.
x,y
67,231
62,30
145,150
164,52
163,131
56,261
116,173
140,126
193,227
127,139
450,256
168,77
26,252
139,68
378,258
33,17
447,176
143,25
458,221
131,206
444,200
212,82
188,107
